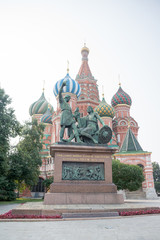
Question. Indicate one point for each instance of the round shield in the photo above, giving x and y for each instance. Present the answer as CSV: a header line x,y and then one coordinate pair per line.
x,y
105,135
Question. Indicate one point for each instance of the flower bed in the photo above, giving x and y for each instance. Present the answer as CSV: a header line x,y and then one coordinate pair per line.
x,y
139,212
9,215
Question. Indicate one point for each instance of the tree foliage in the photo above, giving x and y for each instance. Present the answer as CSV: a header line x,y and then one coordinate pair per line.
x,y
47,182
127,177
23,163
9,128
156,176
156,171
7,188
26,159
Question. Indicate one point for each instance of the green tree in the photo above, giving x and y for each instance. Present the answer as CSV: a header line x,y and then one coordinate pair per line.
x,y
127,177
26,159
9,128
156,171
47,182
156,176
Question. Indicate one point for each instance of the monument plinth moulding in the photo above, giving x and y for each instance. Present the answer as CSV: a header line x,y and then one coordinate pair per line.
x,y
83,175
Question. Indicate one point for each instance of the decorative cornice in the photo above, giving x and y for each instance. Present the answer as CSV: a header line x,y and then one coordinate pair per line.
x,y
132,154
106,117
122,105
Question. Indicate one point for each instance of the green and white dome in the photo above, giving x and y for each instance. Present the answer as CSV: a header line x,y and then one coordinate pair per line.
x,y
40,106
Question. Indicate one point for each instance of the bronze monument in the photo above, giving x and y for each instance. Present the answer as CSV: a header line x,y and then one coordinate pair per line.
x,y
82,169
87,130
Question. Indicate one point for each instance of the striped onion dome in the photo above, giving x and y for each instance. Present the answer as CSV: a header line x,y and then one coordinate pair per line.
x,y
47,117
104,109
72,86
40,106
121,97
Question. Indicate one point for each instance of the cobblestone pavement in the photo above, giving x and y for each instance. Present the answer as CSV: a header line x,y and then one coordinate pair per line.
x,y
124,228
145,227
8,207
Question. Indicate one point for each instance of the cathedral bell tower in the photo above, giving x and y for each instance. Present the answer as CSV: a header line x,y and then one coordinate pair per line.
x,y
89,89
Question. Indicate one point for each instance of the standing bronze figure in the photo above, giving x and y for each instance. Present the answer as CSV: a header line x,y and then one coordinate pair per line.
x,y
67,120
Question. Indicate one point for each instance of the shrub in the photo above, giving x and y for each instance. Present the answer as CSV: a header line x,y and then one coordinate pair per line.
x,y
127,177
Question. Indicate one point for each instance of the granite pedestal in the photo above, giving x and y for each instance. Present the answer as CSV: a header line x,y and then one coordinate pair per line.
x,y
82,175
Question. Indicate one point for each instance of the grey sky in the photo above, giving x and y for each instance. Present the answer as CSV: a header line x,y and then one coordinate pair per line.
x,y
38,37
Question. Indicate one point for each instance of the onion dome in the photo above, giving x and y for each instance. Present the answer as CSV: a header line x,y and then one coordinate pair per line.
x,y
104,109
47,117
72,86
40,106
85,49
121,97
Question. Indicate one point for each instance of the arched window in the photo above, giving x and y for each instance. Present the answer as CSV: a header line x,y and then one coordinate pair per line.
x,y
140,165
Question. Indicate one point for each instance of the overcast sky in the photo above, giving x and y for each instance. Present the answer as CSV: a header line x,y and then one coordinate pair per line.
x,y
38,37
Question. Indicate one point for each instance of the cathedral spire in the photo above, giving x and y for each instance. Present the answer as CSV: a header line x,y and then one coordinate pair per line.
x,y
85,52
84,71
119,80
88,84
102,92
67,66
43,86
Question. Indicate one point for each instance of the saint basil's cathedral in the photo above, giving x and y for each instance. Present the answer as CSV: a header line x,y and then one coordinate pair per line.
x,y
84,92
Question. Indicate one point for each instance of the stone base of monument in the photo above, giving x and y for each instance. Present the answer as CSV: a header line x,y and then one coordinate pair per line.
x,y
82,175
83,198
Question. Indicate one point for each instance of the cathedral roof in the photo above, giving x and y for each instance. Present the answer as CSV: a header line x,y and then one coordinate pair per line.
x,y
40,106
72,86
84,70
104,109
130,143
121,97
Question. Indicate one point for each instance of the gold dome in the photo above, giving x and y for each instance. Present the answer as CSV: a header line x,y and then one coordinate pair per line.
x,y
85,48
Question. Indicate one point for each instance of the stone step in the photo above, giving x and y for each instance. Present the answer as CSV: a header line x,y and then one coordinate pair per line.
x,y
138,195
90,215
